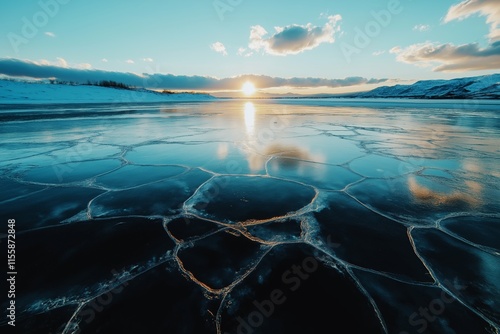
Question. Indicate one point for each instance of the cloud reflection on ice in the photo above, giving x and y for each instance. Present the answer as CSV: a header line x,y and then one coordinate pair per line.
x,y
234,194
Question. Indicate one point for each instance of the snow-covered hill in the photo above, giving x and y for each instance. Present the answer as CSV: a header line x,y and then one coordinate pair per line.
x,y
16,92
480,87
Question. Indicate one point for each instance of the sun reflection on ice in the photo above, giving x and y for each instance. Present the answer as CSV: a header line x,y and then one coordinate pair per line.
x,y
250,118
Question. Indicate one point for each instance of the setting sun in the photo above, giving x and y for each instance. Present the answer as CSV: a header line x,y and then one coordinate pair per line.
x,y
248,88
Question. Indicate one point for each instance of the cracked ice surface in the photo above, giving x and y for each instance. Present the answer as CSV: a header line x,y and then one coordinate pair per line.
x,y
239,217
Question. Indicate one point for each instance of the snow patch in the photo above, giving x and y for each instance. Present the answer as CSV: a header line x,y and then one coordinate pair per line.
x,y
16,92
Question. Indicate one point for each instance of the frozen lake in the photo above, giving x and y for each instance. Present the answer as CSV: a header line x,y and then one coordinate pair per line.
x,y
249,217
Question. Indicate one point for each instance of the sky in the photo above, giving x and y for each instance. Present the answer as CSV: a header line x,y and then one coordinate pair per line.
x,y
280,46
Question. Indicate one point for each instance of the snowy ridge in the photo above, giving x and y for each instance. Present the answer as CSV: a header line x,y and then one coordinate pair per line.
x,y
15,92
480,87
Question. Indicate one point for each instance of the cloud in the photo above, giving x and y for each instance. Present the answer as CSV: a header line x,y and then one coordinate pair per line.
x,y
488,8
59,62
378,53
50,34
104,60
219,47
459,58
422,27
84,66
129,61
293,39
243,52
25,68
148,60
449,57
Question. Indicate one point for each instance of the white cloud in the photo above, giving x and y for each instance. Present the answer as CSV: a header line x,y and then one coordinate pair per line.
x,y
256,37
422,27
129,61
84,66
219,47
378,53
293,39
488,8
50,34
449,57
458,58
25,68
244,52
60,62
148,60
104,60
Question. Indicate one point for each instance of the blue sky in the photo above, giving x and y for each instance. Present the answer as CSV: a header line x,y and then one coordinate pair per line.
x,y
327,45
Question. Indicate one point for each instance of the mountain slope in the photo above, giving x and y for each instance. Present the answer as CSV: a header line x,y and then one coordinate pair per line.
x,y
480,87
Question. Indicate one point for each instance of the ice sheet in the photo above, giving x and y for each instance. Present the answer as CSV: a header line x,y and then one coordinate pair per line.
x,y
240,216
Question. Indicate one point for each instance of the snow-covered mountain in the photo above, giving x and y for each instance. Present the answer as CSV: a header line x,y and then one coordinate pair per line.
x,y
19,92
480,87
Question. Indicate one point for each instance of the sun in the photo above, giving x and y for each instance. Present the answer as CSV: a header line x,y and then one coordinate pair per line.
x,y
248,88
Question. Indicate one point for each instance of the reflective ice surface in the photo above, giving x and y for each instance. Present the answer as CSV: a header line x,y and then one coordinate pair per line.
x,y
249,217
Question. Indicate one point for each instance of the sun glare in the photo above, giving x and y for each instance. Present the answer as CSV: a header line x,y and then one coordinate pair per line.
x,y
248,88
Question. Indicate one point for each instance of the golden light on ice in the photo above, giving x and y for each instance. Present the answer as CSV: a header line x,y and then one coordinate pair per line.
x,y
250,118
248,88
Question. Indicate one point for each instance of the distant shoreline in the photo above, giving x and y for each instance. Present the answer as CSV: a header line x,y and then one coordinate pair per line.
x,y
481,88
18,92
